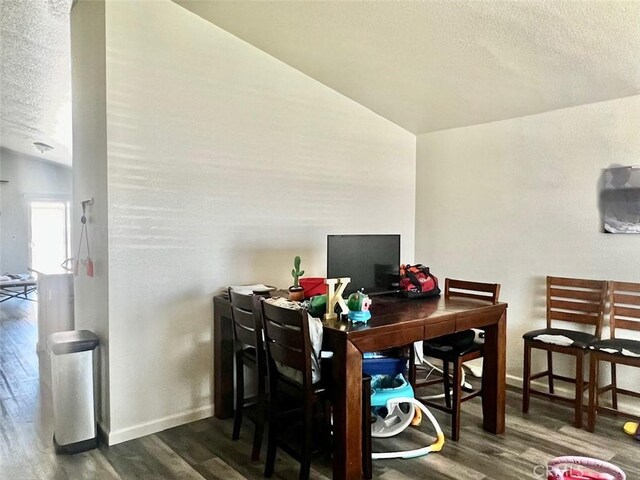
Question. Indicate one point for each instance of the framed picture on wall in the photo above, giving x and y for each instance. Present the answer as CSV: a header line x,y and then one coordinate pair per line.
x,y
620,199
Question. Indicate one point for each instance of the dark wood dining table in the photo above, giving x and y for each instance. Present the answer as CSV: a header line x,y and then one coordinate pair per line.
x,y
395,322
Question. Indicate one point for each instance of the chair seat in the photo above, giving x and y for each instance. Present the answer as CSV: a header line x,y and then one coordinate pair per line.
x,y
294,383
249,356
454,349
581,303
562,337
450,352
618,346
249,352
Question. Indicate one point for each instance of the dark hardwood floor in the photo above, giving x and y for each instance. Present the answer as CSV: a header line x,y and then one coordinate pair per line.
x,y
204,449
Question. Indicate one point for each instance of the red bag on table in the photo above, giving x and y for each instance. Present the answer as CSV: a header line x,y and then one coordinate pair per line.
x,y
416,281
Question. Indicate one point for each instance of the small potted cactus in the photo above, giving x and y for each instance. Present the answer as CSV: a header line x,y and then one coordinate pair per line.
x,y
296,292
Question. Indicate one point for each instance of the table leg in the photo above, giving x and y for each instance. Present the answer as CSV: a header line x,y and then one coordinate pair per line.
x,y
8,294
347,411
223,390
494,375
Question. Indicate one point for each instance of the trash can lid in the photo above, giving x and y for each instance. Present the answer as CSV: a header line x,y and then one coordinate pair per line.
x,y
72,341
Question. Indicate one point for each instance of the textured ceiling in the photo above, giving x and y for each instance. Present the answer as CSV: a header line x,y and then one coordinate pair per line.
x,y
432,65
424,65
35,77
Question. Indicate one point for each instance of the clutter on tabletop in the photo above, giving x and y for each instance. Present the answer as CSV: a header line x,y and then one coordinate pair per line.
x,y
285,303
335,289
313,286
317,305
296,292
249,289
358,304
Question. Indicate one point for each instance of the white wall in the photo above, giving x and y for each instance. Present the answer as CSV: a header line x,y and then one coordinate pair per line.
x,y
90,177
30,178
516,200
1,209
223,163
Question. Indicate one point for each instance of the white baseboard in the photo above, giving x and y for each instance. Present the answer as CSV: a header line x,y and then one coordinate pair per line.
x,y
515,381
625,403
154,426
103,432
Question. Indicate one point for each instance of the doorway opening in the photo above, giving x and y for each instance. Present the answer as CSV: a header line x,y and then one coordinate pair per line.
x,y
49,235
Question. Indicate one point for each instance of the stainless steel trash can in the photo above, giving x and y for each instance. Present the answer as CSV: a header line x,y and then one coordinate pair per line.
x,y
73,390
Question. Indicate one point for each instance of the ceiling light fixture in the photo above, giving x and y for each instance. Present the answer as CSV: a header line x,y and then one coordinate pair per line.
x,y
42,147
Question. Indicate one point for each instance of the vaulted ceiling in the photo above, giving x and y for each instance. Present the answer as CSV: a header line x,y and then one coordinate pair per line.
x,y
425,65
433,65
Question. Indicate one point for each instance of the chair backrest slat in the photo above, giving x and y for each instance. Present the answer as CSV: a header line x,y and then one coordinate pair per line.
x,y
622,324
290,358
574,317
474,290
578,282
625,306
626,299
282,315
287,341
626,312
244,318
240,300
247,328
586,307
592,295
625,287
245,336
286,335
576,300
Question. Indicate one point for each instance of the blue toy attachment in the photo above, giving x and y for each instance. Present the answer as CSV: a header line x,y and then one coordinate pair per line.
x,y
394,407
358,304
357,317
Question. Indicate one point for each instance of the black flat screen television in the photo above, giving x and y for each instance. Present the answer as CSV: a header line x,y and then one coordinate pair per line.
x,y
371,261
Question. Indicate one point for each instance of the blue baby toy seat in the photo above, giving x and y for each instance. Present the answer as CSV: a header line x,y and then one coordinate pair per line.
x,y
393,405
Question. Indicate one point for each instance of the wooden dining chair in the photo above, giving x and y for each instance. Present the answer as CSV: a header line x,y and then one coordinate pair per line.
x,y
624,300
451,350
292,394
250,353
573,301
291,389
